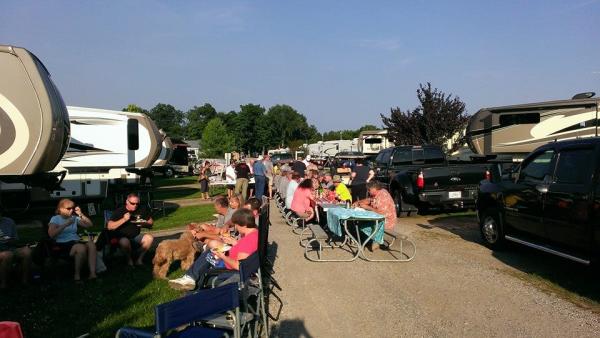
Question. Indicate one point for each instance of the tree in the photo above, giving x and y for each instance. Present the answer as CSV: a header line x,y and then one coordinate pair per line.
x,y
436,120
135,109
246,127
197,119
168,119
216,140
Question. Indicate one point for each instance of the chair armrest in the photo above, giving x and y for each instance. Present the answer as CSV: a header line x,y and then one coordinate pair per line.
x,y
212,274
129,332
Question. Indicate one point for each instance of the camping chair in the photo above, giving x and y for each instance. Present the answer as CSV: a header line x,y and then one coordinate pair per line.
x,y
183,317
249,282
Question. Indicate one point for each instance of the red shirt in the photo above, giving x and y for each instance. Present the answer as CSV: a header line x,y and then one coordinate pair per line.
x,y
247,244
301,200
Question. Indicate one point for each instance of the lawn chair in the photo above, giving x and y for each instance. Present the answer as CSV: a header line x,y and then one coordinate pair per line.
x,y
184,317
249,282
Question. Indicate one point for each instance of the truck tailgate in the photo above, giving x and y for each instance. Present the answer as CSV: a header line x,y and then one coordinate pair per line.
x,y
453,177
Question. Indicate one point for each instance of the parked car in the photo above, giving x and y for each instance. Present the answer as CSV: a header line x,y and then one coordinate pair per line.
x,y
551,202
420,177
282,158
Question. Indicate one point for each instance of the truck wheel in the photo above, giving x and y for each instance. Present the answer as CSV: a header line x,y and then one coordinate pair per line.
x,y
169,172
491,228
398,203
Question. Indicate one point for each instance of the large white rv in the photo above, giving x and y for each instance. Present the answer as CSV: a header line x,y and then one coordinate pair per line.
x,y
323,149
107,146
519,129
371,142
34,126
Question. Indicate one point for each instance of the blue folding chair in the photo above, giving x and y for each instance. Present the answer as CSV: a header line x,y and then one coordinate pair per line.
x,y
184,317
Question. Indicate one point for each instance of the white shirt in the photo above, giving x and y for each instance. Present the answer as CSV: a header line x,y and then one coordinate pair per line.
x,y
230,175
289,194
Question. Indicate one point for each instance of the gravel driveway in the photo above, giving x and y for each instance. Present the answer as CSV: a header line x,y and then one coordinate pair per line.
x,y
454,287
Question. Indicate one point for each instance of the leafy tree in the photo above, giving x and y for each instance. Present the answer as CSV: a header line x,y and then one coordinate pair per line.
x,y
197,119
246,126
135,109
169,119
435,120
216,140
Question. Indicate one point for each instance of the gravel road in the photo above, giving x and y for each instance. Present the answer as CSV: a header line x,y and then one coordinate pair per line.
x,y
454,287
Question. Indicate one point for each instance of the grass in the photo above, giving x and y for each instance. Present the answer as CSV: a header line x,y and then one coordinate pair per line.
x,y
56,307
186,193
173,181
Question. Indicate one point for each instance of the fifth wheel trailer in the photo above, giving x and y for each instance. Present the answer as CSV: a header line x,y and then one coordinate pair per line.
x,y
516,130
34,124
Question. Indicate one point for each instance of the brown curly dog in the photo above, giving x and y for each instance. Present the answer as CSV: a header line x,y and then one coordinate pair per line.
x,y
171,250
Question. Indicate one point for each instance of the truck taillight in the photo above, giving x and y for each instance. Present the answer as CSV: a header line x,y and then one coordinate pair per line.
x,y
420,181
488,175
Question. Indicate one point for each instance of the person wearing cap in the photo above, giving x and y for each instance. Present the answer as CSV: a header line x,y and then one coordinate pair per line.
x,y
341,190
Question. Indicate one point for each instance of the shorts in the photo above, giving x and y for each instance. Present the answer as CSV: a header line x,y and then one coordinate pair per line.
x,y
231,186
64,249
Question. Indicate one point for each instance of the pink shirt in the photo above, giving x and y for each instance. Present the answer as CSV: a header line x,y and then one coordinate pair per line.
x,y
247,244
301,200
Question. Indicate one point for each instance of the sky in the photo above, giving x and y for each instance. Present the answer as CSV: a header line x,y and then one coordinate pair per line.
x,y
340,63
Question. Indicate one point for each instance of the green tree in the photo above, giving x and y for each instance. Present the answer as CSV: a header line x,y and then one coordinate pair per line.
x,y
197,119
438,117
246,127
135,109
169,119
216,140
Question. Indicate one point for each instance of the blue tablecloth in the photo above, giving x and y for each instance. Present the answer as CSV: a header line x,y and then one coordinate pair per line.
x,y
336,215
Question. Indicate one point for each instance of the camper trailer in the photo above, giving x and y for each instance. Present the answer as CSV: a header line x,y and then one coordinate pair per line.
x,y
519,129
161,165
34,123
371,142
107,147
34,127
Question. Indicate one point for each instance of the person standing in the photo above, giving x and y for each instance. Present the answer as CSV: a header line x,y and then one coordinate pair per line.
x,y
203,179
259,178
242,172
361,175
269,174
230,178
299,167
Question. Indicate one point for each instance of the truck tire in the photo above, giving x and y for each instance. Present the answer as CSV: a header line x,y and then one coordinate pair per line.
x,y
399,203
169,172
492,229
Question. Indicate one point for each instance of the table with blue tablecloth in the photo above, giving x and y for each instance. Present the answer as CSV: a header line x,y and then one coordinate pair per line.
x,y
367,222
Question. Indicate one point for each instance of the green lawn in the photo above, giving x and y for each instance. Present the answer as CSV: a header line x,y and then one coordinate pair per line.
x,y
184,193
164,182
56,307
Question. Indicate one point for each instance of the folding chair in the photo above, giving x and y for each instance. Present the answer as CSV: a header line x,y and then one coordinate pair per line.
x,y
184,317
249,288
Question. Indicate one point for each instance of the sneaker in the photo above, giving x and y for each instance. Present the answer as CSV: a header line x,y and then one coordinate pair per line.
x,y
100,266
185,283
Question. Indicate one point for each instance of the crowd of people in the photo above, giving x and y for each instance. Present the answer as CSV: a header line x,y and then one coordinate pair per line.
x,y
233,237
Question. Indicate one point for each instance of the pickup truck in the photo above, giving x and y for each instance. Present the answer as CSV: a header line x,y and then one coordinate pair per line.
x,y
550,202
420,177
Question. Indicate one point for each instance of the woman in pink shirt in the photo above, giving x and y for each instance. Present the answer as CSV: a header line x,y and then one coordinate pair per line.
x,y
304,200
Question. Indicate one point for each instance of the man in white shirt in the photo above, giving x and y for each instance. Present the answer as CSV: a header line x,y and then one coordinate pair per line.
x,y
230,178
291,189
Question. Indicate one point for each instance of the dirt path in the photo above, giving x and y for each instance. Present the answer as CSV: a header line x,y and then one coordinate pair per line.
x,y
454,287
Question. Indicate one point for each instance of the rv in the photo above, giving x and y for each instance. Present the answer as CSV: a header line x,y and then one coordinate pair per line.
x,y
161,165
371,142
107,147
519,129
331,148
34,127
34,123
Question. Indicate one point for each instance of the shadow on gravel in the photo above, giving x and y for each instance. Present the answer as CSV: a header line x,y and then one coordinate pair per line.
x,y
572,281
291,328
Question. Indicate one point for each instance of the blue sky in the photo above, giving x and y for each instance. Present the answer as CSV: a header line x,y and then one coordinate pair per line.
x,y
340,63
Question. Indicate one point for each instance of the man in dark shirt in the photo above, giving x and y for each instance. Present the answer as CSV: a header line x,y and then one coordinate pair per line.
x,y
299,166
361,175
126,223
242,172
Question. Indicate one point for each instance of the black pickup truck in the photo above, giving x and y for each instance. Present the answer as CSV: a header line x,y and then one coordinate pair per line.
x,y
551,202
420,177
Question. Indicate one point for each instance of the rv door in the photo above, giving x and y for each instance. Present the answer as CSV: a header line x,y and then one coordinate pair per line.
x,y
133,140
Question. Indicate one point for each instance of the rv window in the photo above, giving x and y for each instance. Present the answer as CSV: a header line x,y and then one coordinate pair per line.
x,y
372,140
133,134
573,166
511,119
402,156
538,167
433,156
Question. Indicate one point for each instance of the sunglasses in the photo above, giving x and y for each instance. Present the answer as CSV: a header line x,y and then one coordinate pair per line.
x,y
132,203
